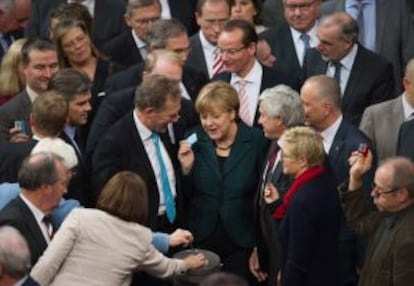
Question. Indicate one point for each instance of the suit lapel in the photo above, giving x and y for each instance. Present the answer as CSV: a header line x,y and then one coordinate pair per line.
x,y
356,75
337,145
242,146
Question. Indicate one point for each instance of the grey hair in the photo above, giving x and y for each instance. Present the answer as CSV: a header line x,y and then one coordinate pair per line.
x,y
327,89
162,30
346,25
134,4
284,102
402,173
14,253
39,169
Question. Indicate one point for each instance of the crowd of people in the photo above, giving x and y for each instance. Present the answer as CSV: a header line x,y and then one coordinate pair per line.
x,y
275,133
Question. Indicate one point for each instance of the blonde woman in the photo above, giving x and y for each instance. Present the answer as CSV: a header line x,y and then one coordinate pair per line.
x,y
12,80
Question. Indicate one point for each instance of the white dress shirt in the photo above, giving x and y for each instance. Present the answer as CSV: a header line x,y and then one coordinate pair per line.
x,y
39,215
329,133
298,43
141,45
209,53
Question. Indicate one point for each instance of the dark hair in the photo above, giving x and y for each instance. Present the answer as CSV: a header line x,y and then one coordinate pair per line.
x,y
125,196
72,11
154,92
249,32
163,30
69,81
36,44
257,20
39,169
50,113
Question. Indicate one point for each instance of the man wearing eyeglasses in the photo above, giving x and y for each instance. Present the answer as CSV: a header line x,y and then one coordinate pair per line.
x,y
290,41
237,47
130,47
390,257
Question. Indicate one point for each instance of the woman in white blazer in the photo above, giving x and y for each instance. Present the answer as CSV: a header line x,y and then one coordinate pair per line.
x,y
104,246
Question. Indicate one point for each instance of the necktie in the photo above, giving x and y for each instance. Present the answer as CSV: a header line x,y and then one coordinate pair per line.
x,y
360,21
271,159
306,43
166,188
244,102
217,63
337,74
47,222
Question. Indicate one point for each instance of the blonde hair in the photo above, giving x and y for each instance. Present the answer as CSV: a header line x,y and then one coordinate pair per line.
x,y
10,81
217,94
304,143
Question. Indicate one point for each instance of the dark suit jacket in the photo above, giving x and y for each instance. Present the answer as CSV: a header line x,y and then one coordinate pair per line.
x,y
371,81
405,145
18,108
394,32
309,235
11,158
196,59
108,19
282,47
225,194
123,50
270,79
122,149
184,11
17,214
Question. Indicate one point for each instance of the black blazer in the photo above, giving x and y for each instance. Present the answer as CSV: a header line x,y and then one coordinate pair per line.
x,y
406,140
270,79
108,19
123,50
17,214
196,59
11,158
184,11
371,81
122,149
282,47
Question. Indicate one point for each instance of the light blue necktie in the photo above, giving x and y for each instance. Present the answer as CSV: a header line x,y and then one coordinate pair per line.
x,y
166,188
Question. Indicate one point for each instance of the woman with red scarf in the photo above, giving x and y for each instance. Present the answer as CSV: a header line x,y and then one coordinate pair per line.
x,y
308,214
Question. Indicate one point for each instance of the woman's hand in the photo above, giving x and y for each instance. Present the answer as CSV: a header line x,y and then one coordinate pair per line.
x,y
181,237
271,194
195,261
186,157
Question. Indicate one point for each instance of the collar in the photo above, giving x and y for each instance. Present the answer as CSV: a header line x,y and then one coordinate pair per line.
x,y
392,219
312,32
143,131
407,107
254,75
354,3
38,214
32,94
140,43
70,131
329,133
349,59
206,45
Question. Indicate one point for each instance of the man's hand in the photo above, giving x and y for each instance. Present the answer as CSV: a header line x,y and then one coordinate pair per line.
x,y
16,135
360,164
254,267
271,194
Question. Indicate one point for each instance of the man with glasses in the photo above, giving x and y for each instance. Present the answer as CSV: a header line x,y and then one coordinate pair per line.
x,y
130,47
290,41
390,257
211,16
237,47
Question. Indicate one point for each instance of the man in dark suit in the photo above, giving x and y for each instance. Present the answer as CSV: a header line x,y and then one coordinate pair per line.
x,y
107,16
116,105
321,102
40,63
388,32
75,87
210,15
130,46
406,140
290,40
14,258
182,10
132,144
340,56
389,230
43,179
279,108
237,46
48,117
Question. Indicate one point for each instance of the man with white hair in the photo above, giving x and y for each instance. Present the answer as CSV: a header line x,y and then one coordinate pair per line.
x,y
14,258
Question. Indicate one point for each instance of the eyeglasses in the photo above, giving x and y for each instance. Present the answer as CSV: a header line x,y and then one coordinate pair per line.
x,y
146,21
378,191
300,6
230,52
